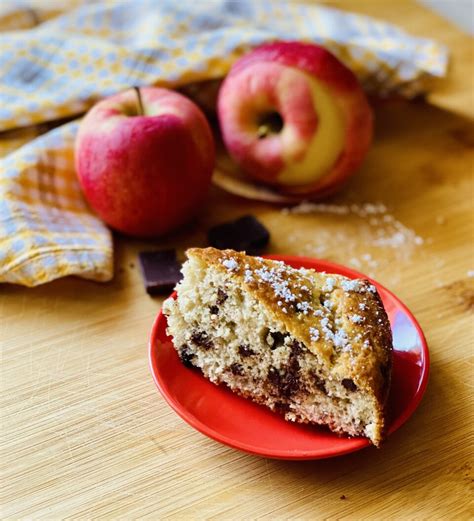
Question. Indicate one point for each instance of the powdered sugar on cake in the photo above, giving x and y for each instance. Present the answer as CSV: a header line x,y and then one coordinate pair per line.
x,y
230,264
290,288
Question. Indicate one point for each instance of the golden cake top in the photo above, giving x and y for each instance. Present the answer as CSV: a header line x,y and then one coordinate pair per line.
x,y
341,321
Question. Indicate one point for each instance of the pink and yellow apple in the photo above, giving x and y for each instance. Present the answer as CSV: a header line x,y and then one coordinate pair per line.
x,y
144,160
293,116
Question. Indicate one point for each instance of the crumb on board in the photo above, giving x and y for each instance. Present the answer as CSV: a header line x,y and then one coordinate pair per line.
x,y
377,231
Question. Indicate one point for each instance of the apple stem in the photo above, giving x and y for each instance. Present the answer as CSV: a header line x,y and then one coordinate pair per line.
x,y
141,112
269,123
263,131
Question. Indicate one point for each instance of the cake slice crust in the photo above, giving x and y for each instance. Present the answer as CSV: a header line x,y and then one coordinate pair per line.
x,y
311,346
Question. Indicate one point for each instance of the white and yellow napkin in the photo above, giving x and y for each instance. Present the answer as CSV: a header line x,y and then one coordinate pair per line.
x,y
55,64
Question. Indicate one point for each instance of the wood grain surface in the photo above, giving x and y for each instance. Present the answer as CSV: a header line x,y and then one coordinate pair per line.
x,y
85,434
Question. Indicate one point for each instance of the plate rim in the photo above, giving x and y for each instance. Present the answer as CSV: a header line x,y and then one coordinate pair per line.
x,y
355,443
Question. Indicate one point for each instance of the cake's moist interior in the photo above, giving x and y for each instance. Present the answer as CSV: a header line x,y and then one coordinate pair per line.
x,y
230,336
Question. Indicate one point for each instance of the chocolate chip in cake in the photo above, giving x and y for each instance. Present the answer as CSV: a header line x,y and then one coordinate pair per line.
x,y
221,296
290,384
320,385
281,407
278,339
245,351
201,339
244,234
273,376
349,384
237,369
214,310
186,356
160,269
296,348
287,383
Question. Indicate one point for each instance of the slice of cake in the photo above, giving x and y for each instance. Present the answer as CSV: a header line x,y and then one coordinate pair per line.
x,y
314,347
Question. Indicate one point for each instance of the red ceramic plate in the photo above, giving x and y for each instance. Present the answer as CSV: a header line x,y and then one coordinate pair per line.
x,y
239,423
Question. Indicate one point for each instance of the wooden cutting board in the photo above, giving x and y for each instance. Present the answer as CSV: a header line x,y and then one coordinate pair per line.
x,y
86,434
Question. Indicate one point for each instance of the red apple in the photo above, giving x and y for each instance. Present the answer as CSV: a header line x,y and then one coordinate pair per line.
x,y
144,160
293,116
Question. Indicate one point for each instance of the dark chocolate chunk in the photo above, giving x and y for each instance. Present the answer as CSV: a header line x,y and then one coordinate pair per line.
x,y
244,234
201,339
214,310
236,369
245,351
349,384
186,356
160,269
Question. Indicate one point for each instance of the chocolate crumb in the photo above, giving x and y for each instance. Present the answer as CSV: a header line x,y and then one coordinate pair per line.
x,y
349,384
343,497
245,351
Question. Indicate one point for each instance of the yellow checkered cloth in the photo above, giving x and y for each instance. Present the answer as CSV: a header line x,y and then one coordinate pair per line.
x,y
56,63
